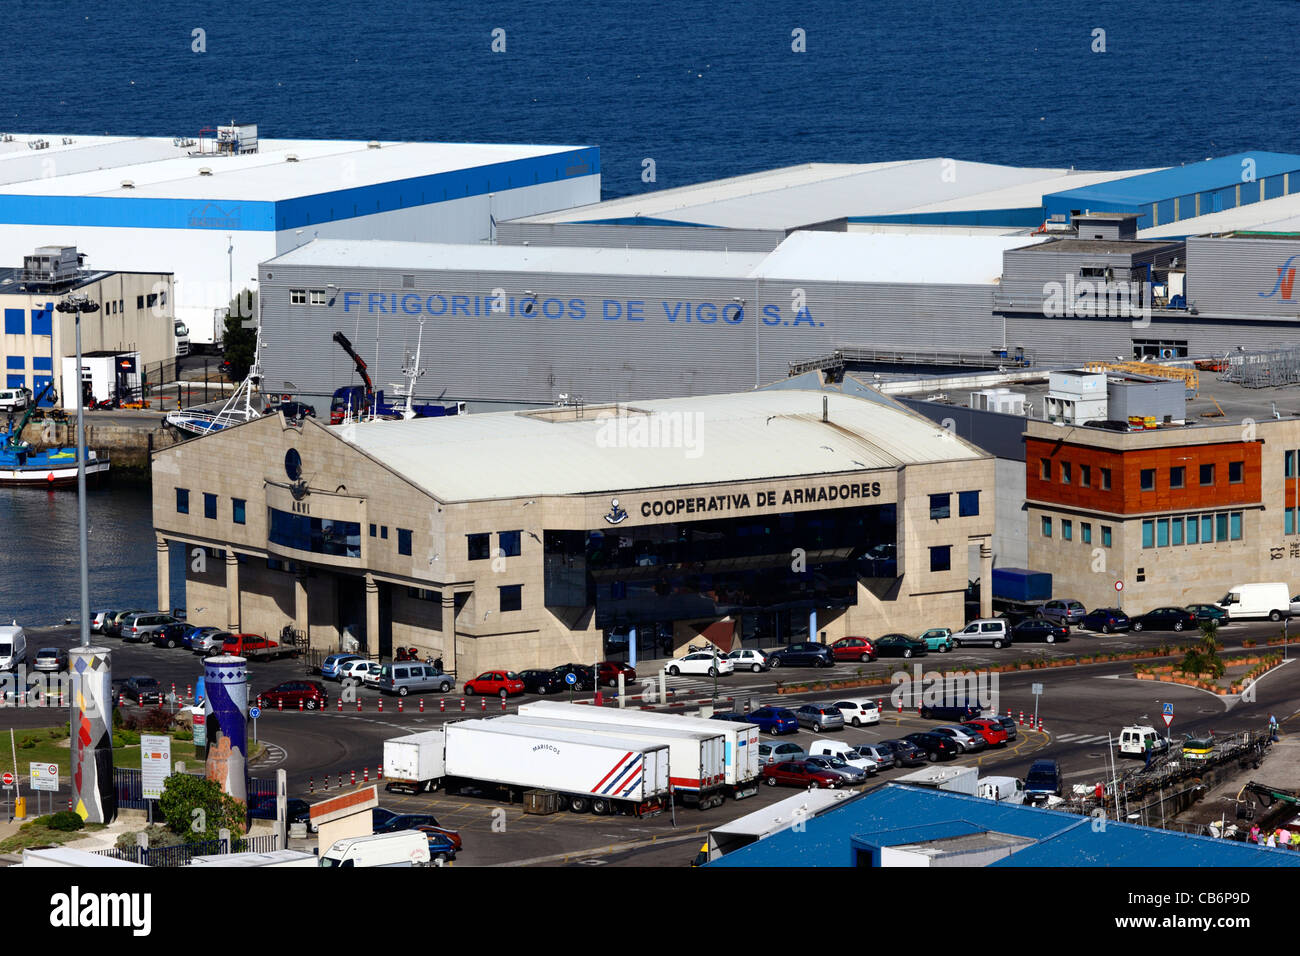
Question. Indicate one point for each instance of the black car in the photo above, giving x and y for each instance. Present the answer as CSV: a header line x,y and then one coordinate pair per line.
x,y
170,635
1165,619
542,682
906,753
804,654
1044,780
957,712
586,676
901,645
935,746
1108,620
1040,629
295,411
297,811
386,821
142,690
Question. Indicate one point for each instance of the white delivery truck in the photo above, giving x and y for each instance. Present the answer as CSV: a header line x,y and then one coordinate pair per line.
x,y
1270,600
413,763
400,848
741,763
694,756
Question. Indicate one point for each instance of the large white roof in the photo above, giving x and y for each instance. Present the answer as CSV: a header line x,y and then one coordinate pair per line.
x,y
867,257
96,166
469,257
719,438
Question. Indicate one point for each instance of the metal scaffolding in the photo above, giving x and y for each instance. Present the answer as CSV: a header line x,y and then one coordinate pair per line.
x,y
1264,368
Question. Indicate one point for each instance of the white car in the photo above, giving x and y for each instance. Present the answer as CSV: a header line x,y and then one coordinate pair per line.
x,y
858,711
753,659
1295,607
701,662
370,676
865,762
357,670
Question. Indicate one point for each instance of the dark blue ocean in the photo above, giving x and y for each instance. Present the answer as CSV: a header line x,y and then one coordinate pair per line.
x,y
705,90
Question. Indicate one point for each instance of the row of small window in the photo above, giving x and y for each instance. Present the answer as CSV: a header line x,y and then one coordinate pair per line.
x,y
1178,476
510,596
301,296
968,505
1191,529
1067,474
480,545
1085,531
238,506
150,300
403,537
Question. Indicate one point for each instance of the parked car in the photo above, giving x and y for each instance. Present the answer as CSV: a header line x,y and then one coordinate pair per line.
x,y
193,632
858,710
113,625
170,635
819,717
993,631
353,669
441,846
142,690
383,820
370,676
990,728
851,775
501,684
330,667
774,720
290,692
853,649
779,753
938,639
1108,620
405,677
969,741
853,756
950,710
50,659
296,810
1040,629
882,755
139,628
586,678
542,682
210,644
905,752
800,773
750,659
701,662
1008,724
607,673
935,746
1063,612
1165,619
1043,780
803,654
99,619
1212,612
732,716
901,645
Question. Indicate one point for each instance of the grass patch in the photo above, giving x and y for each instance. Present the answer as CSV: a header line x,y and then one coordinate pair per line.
x,y
35,833
51,745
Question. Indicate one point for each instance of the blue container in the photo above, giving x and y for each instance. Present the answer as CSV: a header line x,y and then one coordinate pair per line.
x,y
1021,584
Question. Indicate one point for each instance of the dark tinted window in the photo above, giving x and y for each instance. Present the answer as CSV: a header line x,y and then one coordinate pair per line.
x,y
480,546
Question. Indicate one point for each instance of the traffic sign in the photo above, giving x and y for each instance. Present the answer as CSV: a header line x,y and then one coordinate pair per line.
x,y
1168,715
571,678
1035,689
8,779
255,712
45,776
155,764
1119,585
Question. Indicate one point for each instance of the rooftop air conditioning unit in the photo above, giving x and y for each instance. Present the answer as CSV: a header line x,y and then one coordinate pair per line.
x,y
128,184
291,158
205,170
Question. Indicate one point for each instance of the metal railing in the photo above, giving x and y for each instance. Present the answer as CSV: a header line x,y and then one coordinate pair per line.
x,y
180,855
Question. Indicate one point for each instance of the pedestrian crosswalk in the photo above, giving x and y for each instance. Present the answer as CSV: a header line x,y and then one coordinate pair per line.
x,y
1082,738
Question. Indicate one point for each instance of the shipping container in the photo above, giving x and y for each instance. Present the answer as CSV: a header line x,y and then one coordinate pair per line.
x,y
1021,585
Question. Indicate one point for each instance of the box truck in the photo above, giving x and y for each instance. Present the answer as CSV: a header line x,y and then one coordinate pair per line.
x,y
695,768
1261,600
741,763
413,763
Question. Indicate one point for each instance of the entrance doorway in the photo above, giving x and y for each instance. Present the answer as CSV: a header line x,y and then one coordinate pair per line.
x,y
351,604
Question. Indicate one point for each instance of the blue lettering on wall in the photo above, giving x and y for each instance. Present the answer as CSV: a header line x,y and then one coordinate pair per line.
x,y
577,309
612,309
553,308
771,315
411,304
677,308
707,313
460,305
636,311
733,314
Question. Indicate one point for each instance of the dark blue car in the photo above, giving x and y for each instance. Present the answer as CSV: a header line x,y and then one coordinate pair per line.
x,y
1106,619
774,720
193,632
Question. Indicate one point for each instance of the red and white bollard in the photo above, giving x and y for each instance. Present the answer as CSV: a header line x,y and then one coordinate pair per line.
x,y
379,773
340,703
900,705
482,705
354,777
365,774
22,699
421,705
69,803
399,705
462,705
358,705
259,701
279,705
341,780
310,785
300,703
1022,718
381,705
121,700
1040,725
503,703
189,691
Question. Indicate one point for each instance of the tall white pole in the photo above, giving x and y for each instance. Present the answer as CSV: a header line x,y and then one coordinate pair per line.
x,y
81,494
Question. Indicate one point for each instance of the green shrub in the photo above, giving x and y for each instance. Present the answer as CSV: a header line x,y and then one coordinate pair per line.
x,y
184,734
65,820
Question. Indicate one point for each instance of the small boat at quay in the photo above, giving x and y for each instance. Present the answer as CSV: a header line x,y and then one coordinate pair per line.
x,y
21,464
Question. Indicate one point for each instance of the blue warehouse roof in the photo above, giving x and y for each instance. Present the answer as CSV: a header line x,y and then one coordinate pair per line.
x,y
891,815
1176,181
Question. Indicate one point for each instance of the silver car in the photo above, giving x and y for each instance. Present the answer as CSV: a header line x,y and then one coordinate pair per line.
x,y
1063,612
139,628
968,741
820,717
850,773
883,756
210,644
779,753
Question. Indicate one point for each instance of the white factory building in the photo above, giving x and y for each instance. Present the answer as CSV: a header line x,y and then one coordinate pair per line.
x,y
209,207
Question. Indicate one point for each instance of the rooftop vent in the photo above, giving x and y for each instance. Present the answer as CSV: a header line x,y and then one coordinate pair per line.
x,y
291,158
205,170
67,141
128,184
182,142
373,144
7,138
38,144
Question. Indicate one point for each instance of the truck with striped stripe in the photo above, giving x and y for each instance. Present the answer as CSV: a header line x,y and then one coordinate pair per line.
x,y
603,774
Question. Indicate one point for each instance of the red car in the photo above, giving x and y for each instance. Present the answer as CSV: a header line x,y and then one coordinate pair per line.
x,y
608,672
498,683
452,835
994,734
853,649
290,692
796,773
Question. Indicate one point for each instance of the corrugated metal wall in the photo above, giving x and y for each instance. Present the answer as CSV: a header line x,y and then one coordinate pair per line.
x,y
1242,276
605,235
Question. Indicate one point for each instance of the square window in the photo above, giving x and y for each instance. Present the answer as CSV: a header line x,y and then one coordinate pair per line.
x,y
508,542
480,546
1207,475
941,558
1141,575
238,508
1105,479
182,501
297,296
1085,532
1067,529
940,506
209,505
1085,476
1177,476
1045,466
1047,527
968,503
1147,479
1236,472
512,597
1105,536
403,541
317,296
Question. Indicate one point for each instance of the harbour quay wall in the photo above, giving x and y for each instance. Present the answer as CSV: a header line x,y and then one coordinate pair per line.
x,y
129,441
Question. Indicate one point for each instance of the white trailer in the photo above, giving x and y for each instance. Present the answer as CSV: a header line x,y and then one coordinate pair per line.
x,y
273,858
741,765
411,764
694,756
99,370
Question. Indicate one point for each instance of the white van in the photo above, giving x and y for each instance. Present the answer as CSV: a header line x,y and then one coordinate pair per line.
x,y
838,748
1133,741
986,630
13,647
14,399
1244,601
403,848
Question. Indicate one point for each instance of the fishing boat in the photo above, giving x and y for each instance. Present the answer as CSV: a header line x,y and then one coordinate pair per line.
x,y
21,464
237,410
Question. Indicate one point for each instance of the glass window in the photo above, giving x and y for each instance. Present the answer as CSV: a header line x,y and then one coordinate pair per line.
x,y
1066,471
403,541
968,503
1234,526
182,501
238,507
372,530
1047,527
317,296
1221,527
209,505
480,546
508,542
1207,529
1067,529
318,535
1193,529
512,597
1288,520
1162,533
298,296
1148,479
941,558
1207,475
1236,472
1045,465
1175,531
1105,479
1289,458
1085,532
1105,536
383,532
1176,476
1148,533
1085,476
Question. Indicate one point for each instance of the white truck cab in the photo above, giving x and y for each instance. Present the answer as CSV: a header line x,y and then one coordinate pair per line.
x,y
13,647
1133,741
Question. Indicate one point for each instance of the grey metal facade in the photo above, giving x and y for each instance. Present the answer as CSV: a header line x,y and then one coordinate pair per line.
x,y
1165,401
1235,277
1027,273
614,236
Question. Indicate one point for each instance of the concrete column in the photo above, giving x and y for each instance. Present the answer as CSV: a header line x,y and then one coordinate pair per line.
x,y
300,615
631,648
986,579
232,592
372,614
91,716
164,574
448,630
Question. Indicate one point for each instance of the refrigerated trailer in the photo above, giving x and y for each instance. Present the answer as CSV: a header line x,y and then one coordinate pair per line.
x,y
695,758
741,764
